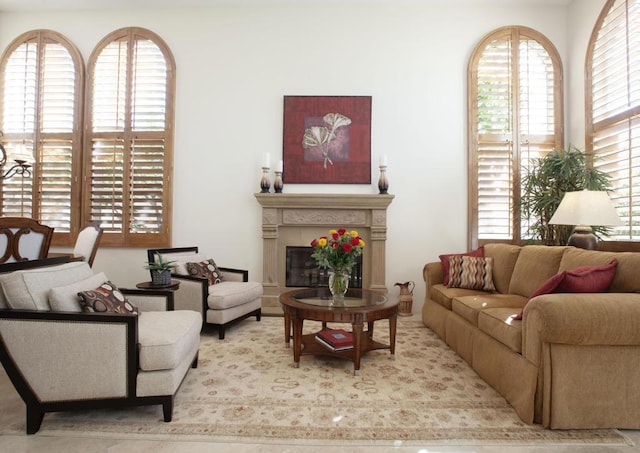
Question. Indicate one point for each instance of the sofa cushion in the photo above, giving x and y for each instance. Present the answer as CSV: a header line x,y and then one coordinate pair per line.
x,y
498,323
29,289
583,279
626,279
504,260
165,337
471,272
536,263
444,260
106,298
469,307
207,269
231,294
443,295
65,298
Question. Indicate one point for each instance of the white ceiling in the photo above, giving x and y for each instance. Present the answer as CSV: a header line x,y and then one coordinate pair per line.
x,y
66,5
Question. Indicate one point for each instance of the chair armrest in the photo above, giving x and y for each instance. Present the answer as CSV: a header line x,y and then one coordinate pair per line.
x,y
192,294
234,275
53,365
150,299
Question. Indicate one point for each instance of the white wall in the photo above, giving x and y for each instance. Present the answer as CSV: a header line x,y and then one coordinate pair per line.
x,y
235,64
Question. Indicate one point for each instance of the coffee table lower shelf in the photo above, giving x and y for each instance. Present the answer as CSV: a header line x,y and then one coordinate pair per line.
x,y
310,346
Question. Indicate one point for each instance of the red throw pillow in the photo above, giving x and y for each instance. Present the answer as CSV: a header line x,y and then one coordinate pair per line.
x,y
444,260
583,279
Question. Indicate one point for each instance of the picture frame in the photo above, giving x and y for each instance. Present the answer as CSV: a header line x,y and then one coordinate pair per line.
x,y
327,140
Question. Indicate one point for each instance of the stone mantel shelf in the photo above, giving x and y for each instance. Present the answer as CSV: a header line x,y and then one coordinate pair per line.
x,y
293,219
322,200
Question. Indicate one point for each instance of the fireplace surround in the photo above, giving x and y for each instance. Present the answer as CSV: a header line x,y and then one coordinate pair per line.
x,y
296,219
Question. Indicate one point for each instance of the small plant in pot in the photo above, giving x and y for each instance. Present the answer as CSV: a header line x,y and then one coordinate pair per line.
x,y
160,270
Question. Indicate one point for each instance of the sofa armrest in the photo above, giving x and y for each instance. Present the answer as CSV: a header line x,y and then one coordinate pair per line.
x,y
53,365
433,275
580,319
234,275
150,300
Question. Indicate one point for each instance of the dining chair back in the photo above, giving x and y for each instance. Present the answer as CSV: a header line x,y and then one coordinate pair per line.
x,y
23,239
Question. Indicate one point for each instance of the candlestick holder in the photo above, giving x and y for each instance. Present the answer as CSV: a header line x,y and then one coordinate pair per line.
x,y
383,183
277,183
264,182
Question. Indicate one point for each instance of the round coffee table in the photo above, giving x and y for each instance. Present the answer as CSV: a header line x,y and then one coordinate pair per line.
x,y
360,306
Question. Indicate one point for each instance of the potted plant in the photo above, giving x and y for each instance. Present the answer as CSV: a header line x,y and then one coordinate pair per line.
x,y
543,186
160,270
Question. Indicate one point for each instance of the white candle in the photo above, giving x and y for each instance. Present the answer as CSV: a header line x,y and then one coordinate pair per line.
x,y
383,160
267,161
280,166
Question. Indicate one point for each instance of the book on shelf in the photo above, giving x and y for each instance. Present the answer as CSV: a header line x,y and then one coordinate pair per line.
x,y
335,339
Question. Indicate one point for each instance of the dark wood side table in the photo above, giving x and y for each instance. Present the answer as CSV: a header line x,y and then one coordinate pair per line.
x,y
161,290
360,306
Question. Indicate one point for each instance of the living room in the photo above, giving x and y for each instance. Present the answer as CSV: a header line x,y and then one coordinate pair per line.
x,y
236,60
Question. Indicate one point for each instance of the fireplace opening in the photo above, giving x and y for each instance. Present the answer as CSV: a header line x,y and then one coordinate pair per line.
x,y
302,270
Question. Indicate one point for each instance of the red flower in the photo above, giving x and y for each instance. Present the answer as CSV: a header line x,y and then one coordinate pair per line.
x,y
346,247
314,243
341,231
335,236
355,241
335,245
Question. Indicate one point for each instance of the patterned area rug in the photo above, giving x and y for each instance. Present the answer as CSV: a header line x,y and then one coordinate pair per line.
x,y
246,389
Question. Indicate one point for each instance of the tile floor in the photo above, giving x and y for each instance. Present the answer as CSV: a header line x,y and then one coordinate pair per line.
x,y
12,408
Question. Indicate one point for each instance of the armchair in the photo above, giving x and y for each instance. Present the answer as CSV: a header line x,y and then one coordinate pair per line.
x,y
75,360
225,302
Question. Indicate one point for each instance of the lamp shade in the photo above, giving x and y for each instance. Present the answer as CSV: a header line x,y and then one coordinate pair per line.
x,y
586,207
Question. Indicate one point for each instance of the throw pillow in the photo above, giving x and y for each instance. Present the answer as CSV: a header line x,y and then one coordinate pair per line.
x,y
583,279
106,298
207,269
471,272
444,260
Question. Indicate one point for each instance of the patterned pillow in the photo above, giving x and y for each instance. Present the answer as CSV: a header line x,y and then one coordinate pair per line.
x,y
207,269
106,298
471,272
444,260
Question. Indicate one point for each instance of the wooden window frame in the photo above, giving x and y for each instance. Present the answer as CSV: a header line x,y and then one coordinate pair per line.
x,y
126,238
514,33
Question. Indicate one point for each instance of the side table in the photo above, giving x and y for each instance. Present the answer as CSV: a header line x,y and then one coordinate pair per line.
x,y
160,290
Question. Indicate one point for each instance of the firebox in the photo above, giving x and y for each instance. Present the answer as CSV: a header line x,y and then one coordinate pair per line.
x,y
302,270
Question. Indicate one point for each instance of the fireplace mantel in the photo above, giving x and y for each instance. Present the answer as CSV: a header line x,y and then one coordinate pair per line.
x,y
296,219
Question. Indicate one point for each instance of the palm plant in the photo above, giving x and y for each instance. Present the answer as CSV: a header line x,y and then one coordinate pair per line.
x,y
544,184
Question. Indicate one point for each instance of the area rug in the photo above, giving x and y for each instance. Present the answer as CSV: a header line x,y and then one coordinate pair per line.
x,y
246,389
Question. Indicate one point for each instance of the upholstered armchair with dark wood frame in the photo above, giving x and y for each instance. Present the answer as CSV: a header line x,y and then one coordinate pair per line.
x,y
233,299
60,358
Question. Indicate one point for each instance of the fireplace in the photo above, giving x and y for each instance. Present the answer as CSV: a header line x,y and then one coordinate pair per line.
x,y
301,270
293,220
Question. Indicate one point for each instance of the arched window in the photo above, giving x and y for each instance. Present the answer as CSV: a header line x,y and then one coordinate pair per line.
x,y
613,108
129,138
42,84
515,115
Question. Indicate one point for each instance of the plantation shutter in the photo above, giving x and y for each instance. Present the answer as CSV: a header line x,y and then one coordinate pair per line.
x,y
130,140
614,75
514,86
42,81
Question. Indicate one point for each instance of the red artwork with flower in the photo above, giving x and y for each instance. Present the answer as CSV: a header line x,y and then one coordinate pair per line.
x,y
327,140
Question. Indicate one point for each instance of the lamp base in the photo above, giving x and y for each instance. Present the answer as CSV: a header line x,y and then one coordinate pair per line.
x,y
583,237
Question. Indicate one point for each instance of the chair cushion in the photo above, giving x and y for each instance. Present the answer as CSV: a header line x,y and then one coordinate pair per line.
x,y
29,289
207,269
65,298
165,337
230,294
106,298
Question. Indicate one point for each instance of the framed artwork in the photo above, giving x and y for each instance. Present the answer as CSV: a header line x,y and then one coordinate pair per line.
x,y
327,140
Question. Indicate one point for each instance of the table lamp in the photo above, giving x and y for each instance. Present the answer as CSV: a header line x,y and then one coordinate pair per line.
x,y
583,209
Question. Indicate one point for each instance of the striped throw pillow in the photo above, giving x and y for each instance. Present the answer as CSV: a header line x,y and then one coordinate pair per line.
x,y
471,273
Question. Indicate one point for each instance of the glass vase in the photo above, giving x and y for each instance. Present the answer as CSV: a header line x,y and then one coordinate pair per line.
x,y
338,284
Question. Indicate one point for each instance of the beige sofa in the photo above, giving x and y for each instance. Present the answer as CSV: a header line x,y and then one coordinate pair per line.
x,y
573,361
60,358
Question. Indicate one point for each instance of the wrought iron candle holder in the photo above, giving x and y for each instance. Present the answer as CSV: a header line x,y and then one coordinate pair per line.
x,y
383,183
264,182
